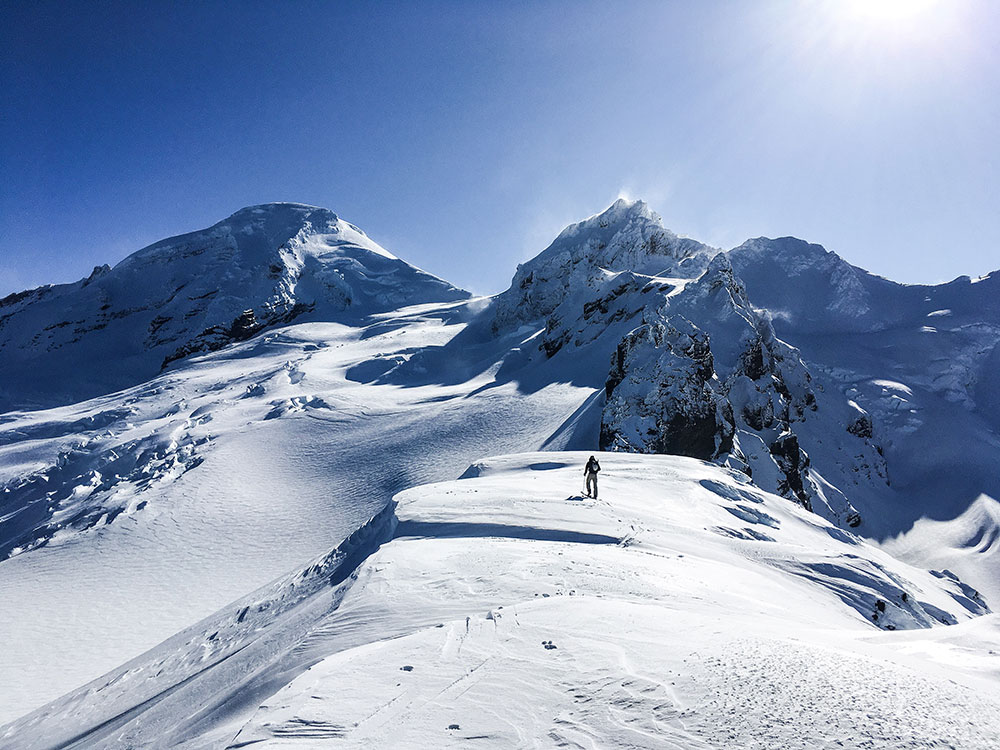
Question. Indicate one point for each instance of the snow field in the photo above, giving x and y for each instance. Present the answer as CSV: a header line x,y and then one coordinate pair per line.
x,y
620,623
293,457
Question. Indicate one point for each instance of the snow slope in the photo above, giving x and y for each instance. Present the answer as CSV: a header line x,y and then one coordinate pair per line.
x,y
685,608
212,479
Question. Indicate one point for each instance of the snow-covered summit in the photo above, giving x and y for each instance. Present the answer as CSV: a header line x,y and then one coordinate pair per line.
x,y
256,230
620,212
627,237
820,291
262,266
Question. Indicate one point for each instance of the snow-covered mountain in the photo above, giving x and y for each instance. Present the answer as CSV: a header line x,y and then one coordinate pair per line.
x,y
921,363
266,387
263,266
694,369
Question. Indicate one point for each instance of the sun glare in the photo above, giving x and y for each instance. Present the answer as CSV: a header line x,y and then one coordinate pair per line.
x,y
887,11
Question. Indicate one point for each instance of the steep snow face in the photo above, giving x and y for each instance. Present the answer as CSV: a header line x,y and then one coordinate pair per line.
x,y
684,608
628,236
919,363
817,291
263,266
824,290
706,376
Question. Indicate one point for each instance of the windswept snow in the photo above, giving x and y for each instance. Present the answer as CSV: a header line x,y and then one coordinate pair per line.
x,y
685,608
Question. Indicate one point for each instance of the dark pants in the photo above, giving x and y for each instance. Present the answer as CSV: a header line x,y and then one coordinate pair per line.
x,y
592,480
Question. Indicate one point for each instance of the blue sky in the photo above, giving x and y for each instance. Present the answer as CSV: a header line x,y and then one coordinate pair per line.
x,y
464,135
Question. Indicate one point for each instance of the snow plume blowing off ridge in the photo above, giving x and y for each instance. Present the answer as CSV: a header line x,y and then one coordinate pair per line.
x,y
263,266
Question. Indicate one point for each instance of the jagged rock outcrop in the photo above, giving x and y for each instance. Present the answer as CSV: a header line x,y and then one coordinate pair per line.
x,y
793,463
704,375
663,395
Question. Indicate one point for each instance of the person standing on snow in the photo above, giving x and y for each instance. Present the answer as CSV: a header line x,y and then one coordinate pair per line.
x,y
591,473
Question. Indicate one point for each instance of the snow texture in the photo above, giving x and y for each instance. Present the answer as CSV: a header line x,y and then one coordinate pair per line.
x,y
502,609
812,565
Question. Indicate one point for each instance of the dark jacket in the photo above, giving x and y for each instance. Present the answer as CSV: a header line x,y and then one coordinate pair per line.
x,y
592,467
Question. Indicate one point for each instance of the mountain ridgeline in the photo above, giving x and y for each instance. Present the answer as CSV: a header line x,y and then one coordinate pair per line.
x,y
777,359
263,266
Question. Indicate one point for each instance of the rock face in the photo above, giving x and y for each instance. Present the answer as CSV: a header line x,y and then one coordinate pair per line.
x,y
263,266
726,390
663,395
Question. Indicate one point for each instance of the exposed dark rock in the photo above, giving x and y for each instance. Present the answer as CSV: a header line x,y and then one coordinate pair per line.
x,y
861,427
663,395
244,326
97,273
752,361
793,462
759,416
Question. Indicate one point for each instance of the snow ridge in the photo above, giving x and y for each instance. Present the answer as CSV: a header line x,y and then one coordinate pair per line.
x,y
401,620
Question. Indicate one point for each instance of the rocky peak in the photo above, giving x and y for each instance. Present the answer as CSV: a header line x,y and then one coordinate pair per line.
x,y
627,237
